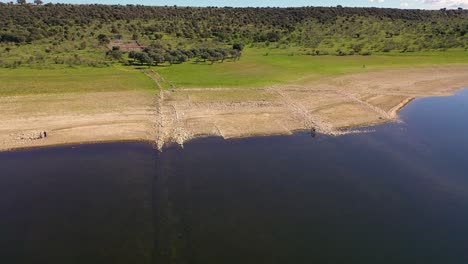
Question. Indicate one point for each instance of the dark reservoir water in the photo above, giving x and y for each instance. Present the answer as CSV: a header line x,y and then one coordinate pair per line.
x,y
399,195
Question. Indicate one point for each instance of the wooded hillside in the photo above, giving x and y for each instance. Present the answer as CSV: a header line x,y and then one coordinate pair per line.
x,y
78,34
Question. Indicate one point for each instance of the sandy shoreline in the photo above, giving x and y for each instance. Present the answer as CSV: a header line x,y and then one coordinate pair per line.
x,y
329,105
76,118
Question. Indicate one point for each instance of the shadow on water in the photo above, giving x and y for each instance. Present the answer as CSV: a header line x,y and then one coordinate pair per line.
x,y
399,195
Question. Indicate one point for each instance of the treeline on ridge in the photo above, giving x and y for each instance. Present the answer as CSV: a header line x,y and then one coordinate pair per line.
x,y
65,33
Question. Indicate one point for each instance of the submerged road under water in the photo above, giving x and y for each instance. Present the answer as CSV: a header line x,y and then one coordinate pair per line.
x,y
398,195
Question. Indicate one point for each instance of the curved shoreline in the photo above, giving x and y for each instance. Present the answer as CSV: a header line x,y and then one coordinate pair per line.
x,y
332,106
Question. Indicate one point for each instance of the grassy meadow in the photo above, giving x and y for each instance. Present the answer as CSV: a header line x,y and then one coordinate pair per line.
x,y
27,81
257,67
263,67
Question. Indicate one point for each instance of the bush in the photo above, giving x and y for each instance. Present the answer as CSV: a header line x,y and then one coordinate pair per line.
x,y
11,37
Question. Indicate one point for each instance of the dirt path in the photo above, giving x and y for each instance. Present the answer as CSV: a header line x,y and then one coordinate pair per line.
x,y
331,106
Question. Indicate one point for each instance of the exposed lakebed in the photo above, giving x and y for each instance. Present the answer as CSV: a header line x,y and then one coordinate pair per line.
x,y
397,195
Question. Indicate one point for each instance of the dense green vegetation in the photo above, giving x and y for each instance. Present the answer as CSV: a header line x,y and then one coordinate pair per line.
x,y
48,35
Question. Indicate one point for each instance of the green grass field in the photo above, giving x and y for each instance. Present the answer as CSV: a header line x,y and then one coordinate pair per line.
x,y
256,69
23,81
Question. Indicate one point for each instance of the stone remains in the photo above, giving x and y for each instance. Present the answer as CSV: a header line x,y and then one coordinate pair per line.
x,y
32,135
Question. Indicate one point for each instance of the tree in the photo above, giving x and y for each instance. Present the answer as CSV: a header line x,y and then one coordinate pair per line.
x,y
103,39
169,58
235,54
205,56
115,54
224,54
273,36
12,37
38,2
158,58
357,47
21,2
157,55
143,58
132,54
215,56
238,46
182,58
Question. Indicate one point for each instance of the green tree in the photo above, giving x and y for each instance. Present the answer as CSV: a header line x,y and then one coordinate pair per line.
x,y
115,54
143,58
103,39
158,58
238,46
182,58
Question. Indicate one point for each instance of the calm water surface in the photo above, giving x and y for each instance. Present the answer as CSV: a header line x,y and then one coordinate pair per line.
x,y
398,195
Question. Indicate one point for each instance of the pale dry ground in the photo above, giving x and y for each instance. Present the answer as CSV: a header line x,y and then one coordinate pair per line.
x,y
76,118
330,106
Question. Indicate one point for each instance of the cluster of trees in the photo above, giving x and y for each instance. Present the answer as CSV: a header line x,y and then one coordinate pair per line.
x,y
156,55
23,2
12,37
247,25
363,35
322,30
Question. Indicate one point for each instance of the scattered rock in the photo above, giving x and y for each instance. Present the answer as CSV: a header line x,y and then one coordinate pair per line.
x,y
32,135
